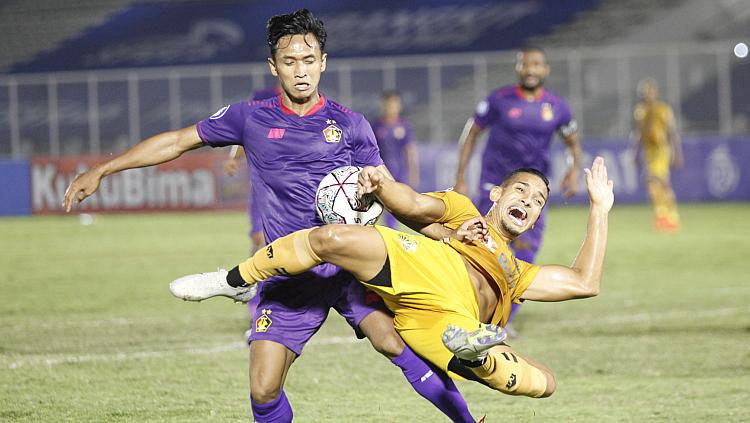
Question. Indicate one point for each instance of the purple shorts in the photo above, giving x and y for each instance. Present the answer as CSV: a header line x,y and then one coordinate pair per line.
x,y
291,310
531,240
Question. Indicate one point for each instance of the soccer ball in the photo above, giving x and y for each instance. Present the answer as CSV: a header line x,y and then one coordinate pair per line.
x,y
336,199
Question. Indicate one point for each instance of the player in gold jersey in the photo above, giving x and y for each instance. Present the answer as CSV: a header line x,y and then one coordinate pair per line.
x,y
451,297
657,137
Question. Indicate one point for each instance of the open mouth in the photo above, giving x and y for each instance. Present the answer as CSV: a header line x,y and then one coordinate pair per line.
x,y
517,215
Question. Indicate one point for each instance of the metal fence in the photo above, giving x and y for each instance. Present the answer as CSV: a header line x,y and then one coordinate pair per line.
x,y
105,111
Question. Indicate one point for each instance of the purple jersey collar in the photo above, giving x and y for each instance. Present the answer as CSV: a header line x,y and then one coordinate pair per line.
x,y
319,105
523,96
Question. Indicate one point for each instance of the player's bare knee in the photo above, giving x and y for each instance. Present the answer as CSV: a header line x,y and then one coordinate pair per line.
x,y
264,390
378,327
328,240
391,345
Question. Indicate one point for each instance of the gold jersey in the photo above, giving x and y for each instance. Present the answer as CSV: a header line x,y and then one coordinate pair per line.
x,y
653,121
493,258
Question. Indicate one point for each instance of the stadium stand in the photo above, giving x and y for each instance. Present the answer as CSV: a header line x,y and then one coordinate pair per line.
x,y
22,23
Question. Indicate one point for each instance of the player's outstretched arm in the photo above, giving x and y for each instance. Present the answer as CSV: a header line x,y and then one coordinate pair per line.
x,y
400,199
583,278
152,151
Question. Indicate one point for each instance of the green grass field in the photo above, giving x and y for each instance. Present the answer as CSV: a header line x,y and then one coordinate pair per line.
x,y
90,333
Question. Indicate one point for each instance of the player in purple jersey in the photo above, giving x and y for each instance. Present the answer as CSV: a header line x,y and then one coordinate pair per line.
x,y
522,119
396,142
291,142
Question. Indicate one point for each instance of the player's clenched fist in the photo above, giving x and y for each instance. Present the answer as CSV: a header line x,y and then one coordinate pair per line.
x,y
369,180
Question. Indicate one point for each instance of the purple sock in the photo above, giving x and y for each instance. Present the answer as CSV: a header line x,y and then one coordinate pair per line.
x,y
276,411
434,385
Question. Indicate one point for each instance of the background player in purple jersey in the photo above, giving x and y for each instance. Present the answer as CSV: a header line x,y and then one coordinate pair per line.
x,y
396,142
291,142
522,120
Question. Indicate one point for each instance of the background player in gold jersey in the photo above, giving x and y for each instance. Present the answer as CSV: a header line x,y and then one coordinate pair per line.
x,y
450,298
656,136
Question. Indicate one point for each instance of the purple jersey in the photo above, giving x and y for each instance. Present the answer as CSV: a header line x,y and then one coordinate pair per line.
x,y
521,130
393,138
253,208
289,154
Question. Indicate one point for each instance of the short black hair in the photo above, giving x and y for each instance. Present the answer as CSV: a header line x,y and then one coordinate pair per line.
x,y
300,22
391,94
530,48
530,170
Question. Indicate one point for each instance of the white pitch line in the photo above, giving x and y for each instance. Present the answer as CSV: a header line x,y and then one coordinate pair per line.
x,y
49,360
137,355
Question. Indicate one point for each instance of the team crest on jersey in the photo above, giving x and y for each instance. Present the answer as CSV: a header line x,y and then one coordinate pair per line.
x,y
547,113
490,244
332,133
408,243
263,322
399,132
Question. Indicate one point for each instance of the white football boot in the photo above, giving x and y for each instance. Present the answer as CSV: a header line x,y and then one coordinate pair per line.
x,y
475,345
200,286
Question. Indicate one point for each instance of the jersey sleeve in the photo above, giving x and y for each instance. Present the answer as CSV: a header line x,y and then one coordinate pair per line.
x,y
567,125
458,208
225,127
366,151
486,112
528,272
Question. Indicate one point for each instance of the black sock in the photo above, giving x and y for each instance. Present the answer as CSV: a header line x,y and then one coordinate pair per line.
x,y
472,364
234,278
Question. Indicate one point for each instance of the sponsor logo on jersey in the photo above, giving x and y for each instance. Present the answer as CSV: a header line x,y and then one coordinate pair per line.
x,y
547,113
276,133
332,133
408,243
515,112
263,322
219,113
